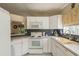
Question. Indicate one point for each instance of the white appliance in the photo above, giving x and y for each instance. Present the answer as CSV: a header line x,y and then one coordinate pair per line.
x,y
36,25
35,43
36,34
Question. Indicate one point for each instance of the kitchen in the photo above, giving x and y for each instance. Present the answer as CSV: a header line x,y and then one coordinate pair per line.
x,y
40,29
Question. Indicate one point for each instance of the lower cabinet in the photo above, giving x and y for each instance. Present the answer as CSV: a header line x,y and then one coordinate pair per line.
x,y
25,46
19,46
46,45
59,50
17,49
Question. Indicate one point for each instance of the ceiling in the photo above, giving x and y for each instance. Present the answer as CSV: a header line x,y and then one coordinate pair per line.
x,y
34,9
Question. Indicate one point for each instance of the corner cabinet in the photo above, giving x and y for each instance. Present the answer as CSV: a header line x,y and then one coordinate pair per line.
x,y
19,46
55,22
59,50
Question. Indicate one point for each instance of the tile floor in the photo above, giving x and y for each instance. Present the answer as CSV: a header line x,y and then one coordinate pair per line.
x,y
44,54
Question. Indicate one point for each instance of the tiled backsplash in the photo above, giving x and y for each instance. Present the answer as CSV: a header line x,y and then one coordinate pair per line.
x,y
73,29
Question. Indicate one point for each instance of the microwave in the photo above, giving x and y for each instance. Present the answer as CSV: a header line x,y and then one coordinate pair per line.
x,y
36,25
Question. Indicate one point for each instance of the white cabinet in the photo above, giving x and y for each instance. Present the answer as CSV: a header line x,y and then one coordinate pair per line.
x,y
53,48
46,45
49,45
25,46
17,46
59,50
55,22
37,22
5,43
18,49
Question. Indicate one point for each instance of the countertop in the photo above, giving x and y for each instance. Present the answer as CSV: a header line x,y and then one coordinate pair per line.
x,y
17,35
68,44
29,37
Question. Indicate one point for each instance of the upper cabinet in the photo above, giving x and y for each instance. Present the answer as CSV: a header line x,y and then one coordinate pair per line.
x,y
37,22
70,15
55,22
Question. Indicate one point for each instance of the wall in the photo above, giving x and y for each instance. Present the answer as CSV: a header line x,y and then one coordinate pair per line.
x,y
16,20
74,29
71,21
43,20
5,41
13,30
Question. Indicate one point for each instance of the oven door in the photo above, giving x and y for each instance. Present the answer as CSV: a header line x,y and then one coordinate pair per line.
x,y
35,43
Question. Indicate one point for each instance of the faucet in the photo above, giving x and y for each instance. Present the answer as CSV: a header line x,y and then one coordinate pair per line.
x,y
69,33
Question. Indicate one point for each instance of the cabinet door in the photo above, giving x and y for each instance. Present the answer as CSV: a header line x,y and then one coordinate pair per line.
x,y
69,15
66,51
25,45
63,51
77,14
59,51
17,47
74,12
49,45
65,19
45,45
66,14
53,48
